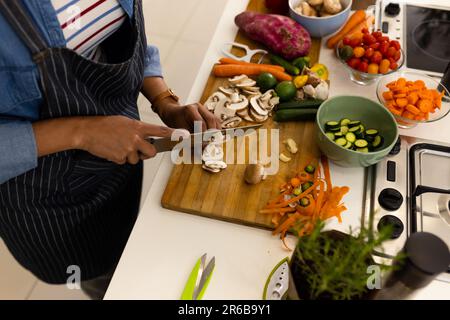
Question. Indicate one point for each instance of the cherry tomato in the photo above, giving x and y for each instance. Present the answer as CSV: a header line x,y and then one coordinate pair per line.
x,y
369,39
384,66
381,39
384,46
369,52
355,42
365,30
395,44
377,34
394,64
363,66
391,51
358,52
376,57
346,41
373,68
397,56
354,63
375,45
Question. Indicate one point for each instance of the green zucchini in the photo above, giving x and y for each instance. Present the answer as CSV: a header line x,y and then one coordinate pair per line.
x,y
372,132
332,125
330,135
341,142
304,202
306,186
344,129
363,150
310,104
350,137
290,68
302,62
377,142
349,145
345,122
360,143
339,134
310,169
355,130
352,124
295,115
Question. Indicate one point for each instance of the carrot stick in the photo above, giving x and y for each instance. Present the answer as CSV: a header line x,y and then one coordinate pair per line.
x,y
286,224
358,17
326,170
233,61
231,70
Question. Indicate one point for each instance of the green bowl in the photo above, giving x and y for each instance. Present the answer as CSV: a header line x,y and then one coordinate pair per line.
x,y
371,114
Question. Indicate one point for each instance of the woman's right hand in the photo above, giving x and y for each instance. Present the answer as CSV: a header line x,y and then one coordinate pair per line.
x,y
119,139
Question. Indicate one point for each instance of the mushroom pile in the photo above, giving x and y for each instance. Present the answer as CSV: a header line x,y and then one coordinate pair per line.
x,y
241,100
212,157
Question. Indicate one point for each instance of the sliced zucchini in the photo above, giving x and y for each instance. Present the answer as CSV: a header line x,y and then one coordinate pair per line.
x,y
350,137
304,202
306,186
339,134
334,130
363,150
377,142
369,139
360,143
349,145
372,132
310,169
352,124
332,125
330,135
344,129
362,129
341,142
345,122
354,129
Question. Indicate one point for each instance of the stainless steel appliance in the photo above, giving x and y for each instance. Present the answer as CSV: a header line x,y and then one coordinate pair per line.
x,y
422,29
410,191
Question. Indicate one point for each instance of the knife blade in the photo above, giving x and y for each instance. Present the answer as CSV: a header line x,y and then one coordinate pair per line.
x,y
167,144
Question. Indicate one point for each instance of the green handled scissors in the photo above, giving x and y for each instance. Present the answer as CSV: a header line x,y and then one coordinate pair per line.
x,y
199,279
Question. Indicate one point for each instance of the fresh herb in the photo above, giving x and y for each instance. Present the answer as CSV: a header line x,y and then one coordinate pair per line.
x,y
327,267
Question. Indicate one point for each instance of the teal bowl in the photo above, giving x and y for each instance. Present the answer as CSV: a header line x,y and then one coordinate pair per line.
x,y
319,27
372,114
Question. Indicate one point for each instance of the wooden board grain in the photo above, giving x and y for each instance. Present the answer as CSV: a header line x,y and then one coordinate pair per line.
x,y
225,196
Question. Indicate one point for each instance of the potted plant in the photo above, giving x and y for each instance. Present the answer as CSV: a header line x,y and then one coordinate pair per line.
x,y
331,265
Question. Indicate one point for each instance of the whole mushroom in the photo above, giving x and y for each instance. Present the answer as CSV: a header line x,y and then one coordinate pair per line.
x,y
332,6
254,174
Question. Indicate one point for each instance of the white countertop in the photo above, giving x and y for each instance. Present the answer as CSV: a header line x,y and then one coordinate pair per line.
x,y
165,245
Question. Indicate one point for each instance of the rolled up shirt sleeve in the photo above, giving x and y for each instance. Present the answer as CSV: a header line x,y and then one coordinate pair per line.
x,y
18,151
152,63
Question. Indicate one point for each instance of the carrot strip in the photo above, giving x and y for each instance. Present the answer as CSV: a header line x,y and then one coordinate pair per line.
x,y
233,61
299,197
231,70
326,170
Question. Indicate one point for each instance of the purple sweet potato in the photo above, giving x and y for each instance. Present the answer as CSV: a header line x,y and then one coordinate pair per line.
x,y
280,34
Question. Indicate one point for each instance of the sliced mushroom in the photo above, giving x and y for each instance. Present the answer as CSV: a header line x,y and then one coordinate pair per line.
x,y
228,91
291,146
220,165
284,158
210,169
238,79
310,91
231,123
222,111
258,118
254,173
256,106
268,95
249,83
251,93
274,102
213,100
212,152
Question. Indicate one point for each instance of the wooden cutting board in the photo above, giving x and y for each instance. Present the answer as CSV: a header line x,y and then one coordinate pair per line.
x,y
225,196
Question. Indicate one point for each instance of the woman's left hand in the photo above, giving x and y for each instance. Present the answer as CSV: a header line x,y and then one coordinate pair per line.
x,y
183,117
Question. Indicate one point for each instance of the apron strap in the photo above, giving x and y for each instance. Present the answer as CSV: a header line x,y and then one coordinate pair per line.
x,y
21,22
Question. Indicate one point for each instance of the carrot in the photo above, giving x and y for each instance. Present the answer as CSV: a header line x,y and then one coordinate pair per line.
x,y
402,102
411,108
326,171
231,70
233,61
356,32
388,95
295,199
425,105
358,17
295,182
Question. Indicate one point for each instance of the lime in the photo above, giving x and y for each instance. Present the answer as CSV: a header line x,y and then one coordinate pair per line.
x,y
266,81
286,90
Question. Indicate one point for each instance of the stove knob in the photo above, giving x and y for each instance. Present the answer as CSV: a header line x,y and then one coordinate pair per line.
x,y
390,199
397,148
392,9
395,223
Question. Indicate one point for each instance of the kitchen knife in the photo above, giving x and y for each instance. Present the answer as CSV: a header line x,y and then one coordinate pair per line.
x,y
166,144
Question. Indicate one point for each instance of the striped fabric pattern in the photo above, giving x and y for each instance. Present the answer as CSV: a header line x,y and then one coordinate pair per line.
x,y
75,209
86,23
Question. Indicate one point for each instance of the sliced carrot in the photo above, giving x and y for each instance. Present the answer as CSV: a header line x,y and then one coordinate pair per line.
x,y
425,105
402,102
395,111
408,115
413,98
388,95
295,199
411,108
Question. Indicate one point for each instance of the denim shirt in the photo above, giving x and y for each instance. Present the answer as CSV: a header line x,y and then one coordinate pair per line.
x,y
20,94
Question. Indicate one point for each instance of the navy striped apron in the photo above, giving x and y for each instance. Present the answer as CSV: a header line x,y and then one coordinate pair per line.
x,y
75,209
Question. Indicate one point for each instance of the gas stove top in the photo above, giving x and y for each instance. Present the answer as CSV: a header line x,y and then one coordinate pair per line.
x,y
410,191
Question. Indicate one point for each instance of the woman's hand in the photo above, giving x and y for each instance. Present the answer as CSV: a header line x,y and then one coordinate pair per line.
x,y
184,117
119,139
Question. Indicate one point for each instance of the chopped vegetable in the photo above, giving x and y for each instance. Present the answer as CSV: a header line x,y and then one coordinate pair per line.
x,y
284,158
298,210
290,68
310,169
412,99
